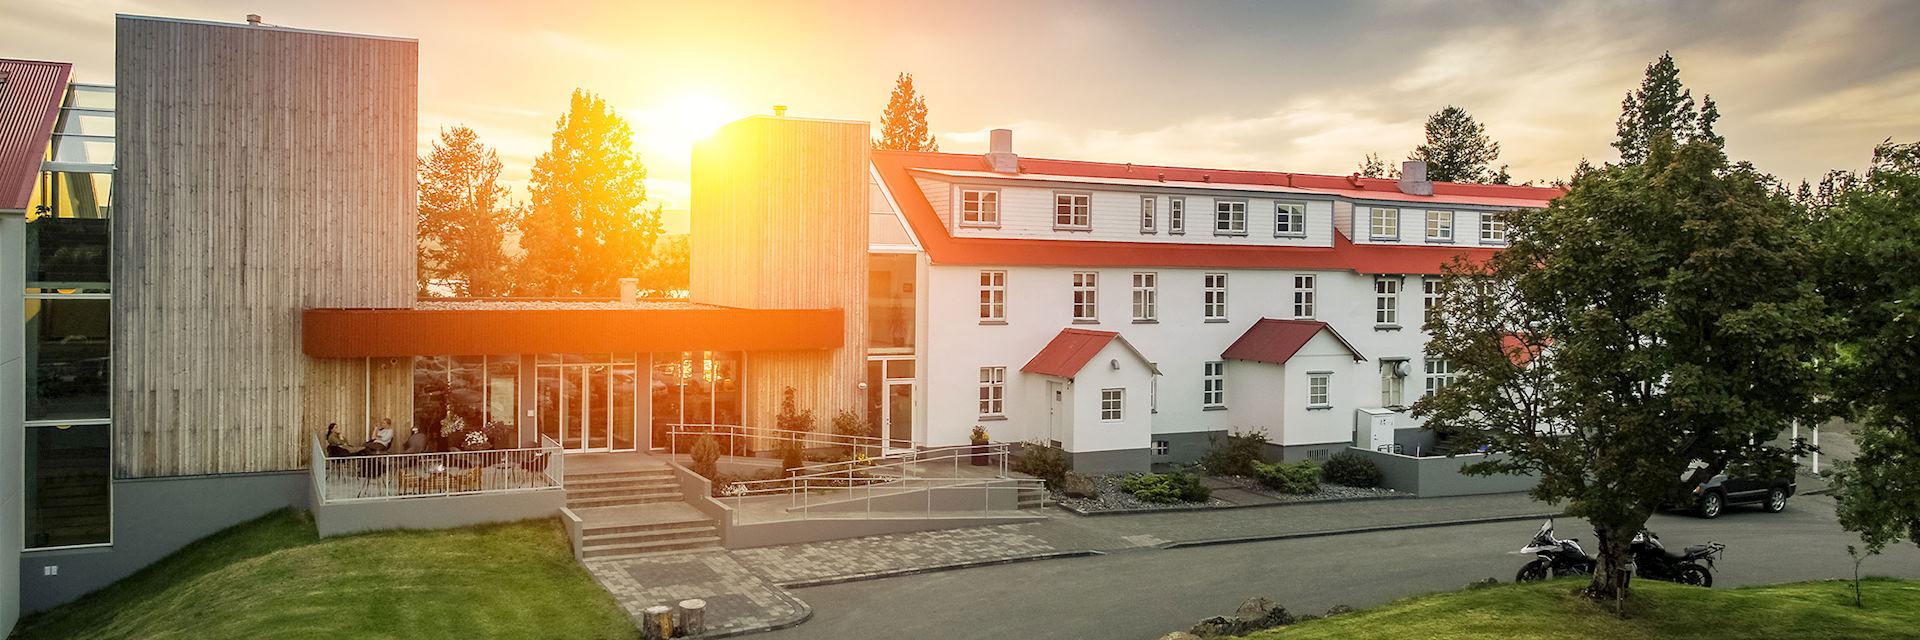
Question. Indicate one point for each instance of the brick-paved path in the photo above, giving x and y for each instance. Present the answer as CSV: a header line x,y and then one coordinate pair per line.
x,y
738,600
792,563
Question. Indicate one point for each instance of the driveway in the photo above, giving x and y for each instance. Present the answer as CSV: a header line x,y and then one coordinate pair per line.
x,y
1144,593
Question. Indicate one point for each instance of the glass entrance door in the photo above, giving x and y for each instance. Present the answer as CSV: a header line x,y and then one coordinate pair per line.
x,y
587,406
890,384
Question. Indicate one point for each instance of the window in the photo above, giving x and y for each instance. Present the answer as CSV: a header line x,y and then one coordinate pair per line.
x,y
68,490
1072,211
1385,223
1229,217
1429,299
1393,383
1317,384
1112,405
993,296
1440,226
1493,228
1289,219
1386,302
1176,216
993,391
1161,447
1303,296
1086,294
67,351
1146,297
1439,374
979,208
1214,297
1213,385
1147,204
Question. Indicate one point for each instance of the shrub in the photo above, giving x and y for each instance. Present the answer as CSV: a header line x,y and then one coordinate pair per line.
x,y
706,456
979,436
792,456
791,417
1078,486
1166,487
1296,478
1236,455
1351,469
1042,461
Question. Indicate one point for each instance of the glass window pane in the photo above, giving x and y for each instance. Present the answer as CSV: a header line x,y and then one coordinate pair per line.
x,y
67,358
63,194
890,286
68,486
570,406
726,388
466,398
503,400
90,97
67,254
547,398
82,150
85,122
663,391
430,401
624,387
699,389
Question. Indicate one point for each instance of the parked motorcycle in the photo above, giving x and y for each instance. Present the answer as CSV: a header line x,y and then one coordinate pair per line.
x,y
1556,557
1652,560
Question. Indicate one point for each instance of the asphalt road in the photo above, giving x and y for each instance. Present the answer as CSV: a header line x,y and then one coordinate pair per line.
x,y
1148,592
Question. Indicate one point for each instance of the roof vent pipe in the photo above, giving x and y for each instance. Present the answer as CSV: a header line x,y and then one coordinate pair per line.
x,y
779,111
253,19
1000,155
1413,178
629,291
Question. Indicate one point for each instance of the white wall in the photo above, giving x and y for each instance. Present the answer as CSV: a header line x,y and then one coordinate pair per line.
x,y
1132,431
1273,397
1027,212
1413,226
12,413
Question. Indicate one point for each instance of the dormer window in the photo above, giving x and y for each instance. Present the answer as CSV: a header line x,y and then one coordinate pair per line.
x,y
979,208
1383,223
1290,219
1176,216
1073,211
1439,226
1229,217
1147,217
1493,228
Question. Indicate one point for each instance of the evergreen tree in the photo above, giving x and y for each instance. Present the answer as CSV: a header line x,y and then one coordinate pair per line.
x,y
1663,107
464,217
903,126
1457,148
588,224
1371,167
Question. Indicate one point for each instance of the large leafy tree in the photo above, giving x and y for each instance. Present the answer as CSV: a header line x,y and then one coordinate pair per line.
x,y
1871,242
1371,167
589,223
1663,108
464,217
903,126
1458,149
669,272
1659,313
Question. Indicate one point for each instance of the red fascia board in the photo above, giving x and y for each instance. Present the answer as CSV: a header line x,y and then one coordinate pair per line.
x,y
379,333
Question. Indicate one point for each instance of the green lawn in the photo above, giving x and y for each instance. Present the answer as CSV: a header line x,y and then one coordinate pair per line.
x,y
274,578
1551,610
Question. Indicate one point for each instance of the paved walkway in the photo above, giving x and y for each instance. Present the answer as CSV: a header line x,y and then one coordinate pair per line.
x,y
738,601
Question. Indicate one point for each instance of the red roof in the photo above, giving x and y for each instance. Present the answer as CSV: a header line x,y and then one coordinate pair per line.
x,y
1275,341
29,105
895,169
1072,349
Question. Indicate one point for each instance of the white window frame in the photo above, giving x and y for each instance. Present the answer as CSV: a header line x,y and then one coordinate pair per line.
x,y
1439,226
993,392
1319,389
1439,373
993,297
1232,214
980,208
1086,296
1176,216
1161,447
1146,296
1303,294
1493,228
1289,219
1429,299
1213,297
1393,388
1148,214
1386,301
1383,223
1213,384
1113,405
1077,207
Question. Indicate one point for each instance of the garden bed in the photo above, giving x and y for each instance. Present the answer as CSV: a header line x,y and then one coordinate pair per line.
x,y
1327,492
1241,491
1110,497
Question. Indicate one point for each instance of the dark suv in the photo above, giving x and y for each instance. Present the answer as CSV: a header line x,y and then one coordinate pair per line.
x,y
1710,498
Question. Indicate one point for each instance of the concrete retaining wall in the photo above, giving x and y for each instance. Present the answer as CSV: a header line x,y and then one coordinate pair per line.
x,y
1440,476
443,512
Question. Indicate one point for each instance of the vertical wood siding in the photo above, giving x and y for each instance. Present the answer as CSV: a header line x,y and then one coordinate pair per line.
x,y
779,222
262,171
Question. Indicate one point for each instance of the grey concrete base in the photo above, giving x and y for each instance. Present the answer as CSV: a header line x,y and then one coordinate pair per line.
x,y
152,518
767,534
1440,476
1110,462
442,512
1300,452
1186,448
986,496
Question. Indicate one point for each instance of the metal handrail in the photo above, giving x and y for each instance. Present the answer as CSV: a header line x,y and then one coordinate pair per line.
x,y
381,477
735,432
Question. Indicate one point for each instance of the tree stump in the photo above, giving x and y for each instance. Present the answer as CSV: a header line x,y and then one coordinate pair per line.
x,y
693,617
656,622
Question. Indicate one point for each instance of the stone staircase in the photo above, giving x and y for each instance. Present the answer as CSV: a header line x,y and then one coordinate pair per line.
x,y
627,513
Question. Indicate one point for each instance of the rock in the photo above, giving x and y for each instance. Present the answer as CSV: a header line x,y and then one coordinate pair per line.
x,y
1179,635
1482,584
1307,618
1214,627
1339,609
1255,608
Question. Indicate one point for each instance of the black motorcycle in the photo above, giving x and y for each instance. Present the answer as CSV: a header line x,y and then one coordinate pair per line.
x,y
1556,557
1652,560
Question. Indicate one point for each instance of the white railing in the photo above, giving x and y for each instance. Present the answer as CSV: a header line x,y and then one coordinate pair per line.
x,y
850,488
376,477
738,440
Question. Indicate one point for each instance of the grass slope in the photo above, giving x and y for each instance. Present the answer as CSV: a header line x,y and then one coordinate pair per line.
x,y
1551,610
275,578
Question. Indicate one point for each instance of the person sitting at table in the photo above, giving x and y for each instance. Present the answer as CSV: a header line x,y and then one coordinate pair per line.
x,y
383,438
416,442
337,446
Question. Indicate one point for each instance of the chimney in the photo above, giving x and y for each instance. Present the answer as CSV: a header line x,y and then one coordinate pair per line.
x,y
779,111
1413,178
629,291
253,19
1000,152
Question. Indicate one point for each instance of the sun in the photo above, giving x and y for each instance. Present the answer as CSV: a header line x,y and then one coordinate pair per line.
x,y
683,119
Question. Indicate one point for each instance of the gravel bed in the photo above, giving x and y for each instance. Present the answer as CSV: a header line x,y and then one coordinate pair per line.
x,y
1328,491
1110,497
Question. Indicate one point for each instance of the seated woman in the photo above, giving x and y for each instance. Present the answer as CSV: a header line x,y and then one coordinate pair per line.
x,y
337,446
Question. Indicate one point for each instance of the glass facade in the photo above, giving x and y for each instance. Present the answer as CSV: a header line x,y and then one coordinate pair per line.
x,y
67,355
890,295
693,387
68,486
456,396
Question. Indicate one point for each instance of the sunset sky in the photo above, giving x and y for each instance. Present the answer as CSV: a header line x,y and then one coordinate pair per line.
x,y
1803,87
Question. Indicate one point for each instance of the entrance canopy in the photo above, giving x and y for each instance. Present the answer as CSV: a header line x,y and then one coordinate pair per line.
x,y
512,327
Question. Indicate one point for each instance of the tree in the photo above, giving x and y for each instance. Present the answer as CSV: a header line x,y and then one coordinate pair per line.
x,y
1663,108
903,126
668,273
588,224
1659,313
1871,242
464,217
1371,167
1457,148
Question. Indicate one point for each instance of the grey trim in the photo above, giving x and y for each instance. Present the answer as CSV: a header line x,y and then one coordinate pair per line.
x,y
123,16
1109,462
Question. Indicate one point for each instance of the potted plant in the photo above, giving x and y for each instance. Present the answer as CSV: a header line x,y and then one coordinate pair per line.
x,y
980,458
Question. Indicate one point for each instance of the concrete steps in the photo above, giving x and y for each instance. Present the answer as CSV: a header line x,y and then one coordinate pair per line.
x,y
637,530
622,488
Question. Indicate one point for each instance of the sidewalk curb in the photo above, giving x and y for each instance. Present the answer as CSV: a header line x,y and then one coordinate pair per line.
x,y
895,573
1182,509
1340,532
806,613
